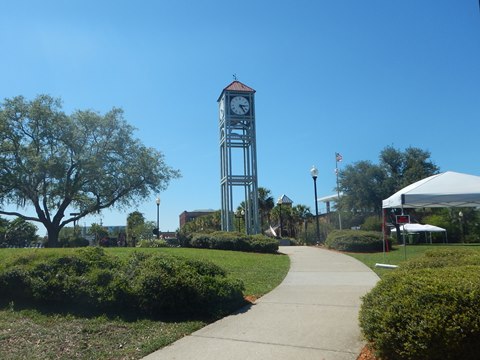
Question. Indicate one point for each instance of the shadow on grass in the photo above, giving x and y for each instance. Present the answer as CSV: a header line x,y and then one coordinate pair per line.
x,y
124,315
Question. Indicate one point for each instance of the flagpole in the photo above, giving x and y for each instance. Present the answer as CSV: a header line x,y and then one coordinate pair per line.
x,y
338,158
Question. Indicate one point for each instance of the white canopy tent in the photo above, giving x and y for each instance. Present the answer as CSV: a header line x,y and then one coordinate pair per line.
x,y
448,189
412,228
419,228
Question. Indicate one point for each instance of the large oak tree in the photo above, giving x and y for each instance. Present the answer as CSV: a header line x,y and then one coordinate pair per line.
x,y
72,164
365,185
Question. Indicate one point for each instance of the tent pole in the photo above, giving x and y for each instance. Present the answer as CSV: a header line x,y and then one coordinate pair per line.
x,y
383,232
387,248
404,240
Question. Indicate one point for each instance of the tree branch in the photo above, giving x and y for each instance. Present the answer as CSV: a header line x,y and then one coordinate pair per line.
x,y
14,213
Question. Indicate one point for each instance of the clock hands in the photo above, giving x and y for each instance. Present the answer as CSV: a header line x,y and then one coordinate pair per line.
x,y
239,105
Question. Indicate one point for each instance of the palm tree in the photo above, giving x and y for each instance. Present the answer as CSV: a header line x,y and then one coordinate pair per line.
x,y
135,222
265,206
301,214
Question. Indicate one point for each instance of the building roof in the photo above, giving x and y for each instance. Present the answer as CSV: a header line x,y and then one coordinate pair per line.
x,y
328,198
284,200
236,86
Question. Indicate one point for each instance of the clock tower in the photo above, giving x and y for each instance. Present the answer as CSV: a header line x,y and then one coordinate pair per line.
x,y
238,156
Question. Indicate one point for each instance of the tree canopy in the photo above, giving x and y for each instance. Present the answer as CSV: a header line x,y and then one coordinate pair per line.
x,y
84,162
138,228
365,185
18,233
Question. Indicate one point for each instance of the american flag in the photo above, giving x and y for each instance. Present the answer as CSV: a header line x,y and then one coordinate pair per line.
x,y
338,157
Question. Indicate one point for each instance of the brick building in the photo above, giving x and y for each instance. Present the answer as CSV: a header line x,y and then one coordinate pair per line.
x,y
188,216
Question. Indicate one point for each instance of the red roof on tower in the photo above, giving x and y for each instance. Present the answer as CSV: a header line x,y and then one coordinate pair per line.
x,y
237,86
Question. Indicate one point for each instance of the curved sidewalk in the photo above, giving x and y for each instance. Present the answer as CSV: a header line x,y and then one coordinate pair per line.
x,y
312,314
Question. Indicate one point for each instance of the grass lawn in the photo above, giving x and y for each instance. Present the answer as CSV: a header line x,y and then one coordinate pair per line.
x,y
31,334
399,254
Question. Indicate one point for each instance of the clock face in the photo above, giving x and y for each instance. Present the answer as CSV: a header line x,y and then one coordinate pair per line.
x,y
239,105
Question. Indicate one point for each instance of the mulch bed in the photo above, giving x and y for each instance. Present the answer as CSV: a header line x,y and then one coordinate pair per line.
x,y
367,354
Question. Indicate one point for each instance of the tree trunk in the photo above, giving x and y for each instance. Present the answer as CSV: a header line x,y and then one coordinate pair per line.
x,y
393,221
53,233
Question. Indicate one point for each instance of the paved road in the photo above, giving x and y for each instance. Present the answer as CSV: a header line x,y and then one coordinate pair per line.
x,y
312,314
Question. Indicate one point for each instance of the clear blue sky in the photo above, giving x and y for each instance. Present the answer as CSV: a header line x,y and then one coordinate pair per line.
x,y
348,76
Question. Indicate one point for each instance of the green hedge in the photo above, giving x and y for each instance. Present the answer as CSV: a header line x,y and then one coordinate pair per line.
x,y
157,243
428,309
355,240
443,258
150,285
221,240
175,286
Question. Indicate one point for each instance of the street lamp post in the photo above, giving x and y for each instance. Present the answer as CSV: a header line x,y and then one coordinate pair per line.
x,y
314,173
279,203
239,215
158,217
283,200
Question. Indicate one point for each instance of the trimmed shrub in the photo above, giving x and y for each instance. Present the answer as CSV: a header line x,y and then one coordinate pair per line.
x,y
15,285
372,223
184,238
206,267
169,286
263,244
424,314
89,280
86,278
200,240
439,258
73,241
355,240
427,309
221,240
157,243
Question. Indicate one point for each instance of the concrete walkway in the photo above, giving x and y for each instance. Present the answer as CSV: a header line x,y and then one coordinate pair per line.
x,y
312,314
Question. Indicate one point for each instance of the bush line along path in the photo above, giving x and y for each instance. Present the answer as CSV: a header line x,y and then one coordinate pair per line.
x,y
39,334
